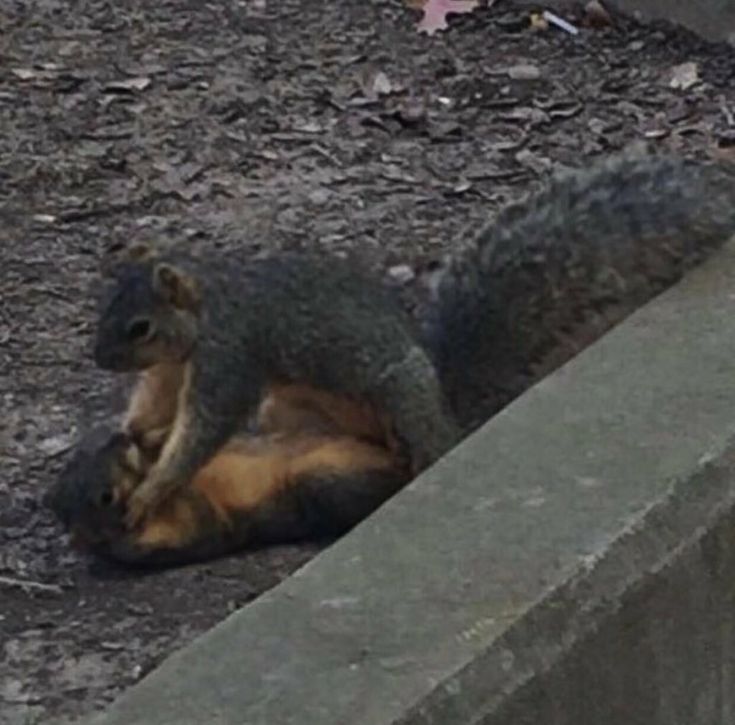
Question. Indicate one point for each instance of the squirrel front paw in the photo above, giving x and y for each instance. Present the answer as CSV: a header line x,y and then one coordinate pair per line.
x,y
142,502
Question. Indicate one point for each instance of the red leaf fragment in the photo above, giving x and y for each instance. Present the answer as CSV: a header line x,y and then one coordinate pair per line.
x,y
436,11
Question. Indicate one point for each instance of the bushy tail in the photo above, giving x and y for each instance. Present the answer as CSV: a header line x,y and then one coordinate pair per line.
x,y
557,270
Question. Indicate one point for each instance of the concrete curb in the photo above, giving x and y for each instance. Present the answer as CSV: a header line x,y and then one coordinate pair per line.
x,y
712,19
572,562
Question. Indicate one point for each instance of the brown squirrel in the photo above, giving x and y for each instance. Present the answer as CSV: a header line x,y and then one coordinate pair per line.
x,y
215,337
165,321
256,490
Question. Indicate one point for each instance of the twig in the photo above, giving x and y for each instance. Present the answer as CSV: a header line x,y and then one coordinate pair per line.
x,y
27,585
326,154
560,22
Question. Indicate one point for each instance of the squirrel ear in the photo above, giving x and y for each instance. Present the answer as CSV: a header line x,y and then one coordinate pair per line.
x,y
118,254
179,288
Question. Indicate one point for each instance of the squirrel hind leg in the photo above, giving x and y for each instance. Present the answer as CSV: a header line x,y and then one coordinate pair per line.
x,y
344,481
298,408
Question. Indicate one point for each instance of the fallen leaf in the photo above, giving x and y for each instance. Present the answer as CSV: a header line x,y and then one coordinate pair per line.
x,y
307,126
461,187
684,76
445,129
564,109
436,11
55,445
655,132
525,113
524,72
112,646
536,163
596,16
13,691
539,22
25,74
401,273
129,84
382,84
413,110
44,218
375,84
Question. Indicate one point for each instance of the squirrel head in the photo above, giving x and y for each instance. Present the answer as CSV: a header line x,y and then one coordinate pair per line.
x,y
91,491
152,316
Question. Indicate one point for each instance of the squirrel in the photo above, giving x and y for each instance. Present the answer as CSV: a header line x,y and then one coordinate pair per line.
x,y
256,490
550,275
299,477
214,328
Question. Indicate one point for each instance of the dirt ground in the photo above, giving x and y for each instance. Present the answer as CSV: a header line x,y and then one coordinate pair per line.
x,y
267,124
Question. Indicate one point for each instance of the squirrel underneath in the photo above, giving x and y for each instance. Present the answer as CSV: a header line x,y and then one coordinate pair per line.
x,y
323,349
256,490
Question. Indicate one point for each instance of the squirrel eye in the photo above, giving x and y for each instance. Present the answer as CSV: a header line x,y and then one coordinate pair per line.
x,y
106,499
139,329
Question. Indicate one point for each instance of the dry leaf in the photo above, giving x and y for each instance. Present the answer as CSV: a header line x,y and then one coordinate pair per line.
x,y
55,445
684,76
413,110
596,16
375,84
129,84
539,22
381,84
436,11
44,218
25,74
524,72
401,273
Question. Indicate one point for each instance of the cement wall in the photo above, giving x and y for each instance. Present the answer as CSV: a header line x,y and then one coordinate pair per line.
x,y
573,562
713,19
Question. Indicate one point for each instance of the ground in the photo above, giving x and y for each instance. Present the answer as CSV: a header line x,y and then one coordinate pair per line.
x,y
264,124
